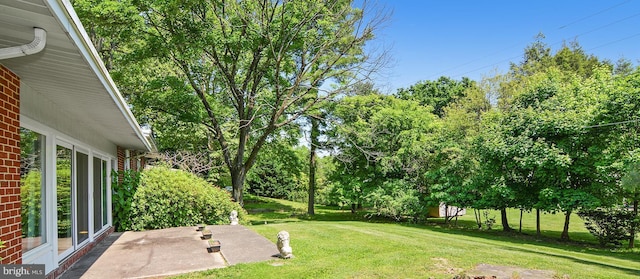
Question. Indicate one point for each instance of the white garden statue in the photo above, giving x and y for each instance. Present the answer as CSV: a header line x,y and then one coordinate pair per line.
x,y
233,217
283,245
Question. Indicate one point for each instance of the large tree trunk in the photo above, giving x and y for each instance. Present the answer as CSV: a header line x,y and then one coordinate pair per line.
x,y
565,231
538,222
237,182
505,222
315,132
312,182
632,237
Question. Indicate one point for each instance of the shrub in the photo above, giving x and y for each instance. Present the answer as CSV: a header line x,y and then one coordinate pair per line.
x,y
397,200
609,225
173,198
123,191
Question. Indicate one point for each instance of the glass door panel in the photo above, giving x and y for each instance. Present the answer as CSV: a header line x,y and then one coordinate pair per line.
x,y
82,197
32,189
63,199
105,220
97,194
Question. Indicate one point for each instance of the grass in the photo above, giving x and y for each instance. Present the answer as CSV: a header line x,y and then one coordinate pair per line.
x,y
337,244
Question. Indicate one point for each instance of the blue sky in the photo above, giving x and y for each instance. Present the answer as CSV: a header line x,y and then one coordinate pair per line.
x,y
429,39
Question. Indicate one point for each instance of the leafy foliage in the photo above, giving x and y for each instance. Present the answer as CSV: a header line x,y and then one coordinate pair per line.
x,y
249,68
278,172
610,225
124,186
397,200
381,138
172,198
437,94
31,200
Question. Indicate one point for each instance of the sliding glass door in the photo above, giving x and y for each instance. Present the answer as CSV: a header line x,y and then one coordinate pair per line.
x,y
72,197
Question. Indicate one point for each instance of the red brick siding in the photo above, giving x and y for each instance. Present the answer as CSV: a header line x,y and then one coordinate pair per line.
x,y
120,163
10,230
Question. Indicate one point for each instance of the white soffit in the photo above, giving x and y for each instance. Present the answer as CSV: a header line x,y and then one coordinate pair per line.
x,y
68,72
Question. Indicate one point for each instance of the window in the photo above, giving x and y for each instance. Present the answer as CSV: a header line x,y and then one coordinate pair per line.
x,y
32,189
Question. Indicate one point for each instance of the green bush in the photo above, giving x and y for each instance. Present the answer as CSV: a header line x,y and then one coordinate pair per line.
x,y
610,225
123,191
173,198
396,199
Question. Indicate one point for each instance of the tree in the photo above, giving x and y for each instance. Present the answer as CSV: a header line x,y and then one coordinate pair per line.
x,y
384,146
112,26
617,126
631,187
255,66
436,94
454,163
315,142
278,171
559,93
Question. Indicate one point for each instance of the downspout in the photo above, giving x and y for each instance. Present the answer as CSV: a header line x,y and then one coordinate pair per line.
x,y
35,46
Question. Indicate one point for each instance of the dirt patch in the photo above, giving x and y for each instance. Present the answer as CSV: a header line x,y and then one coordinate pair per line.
x,y
487,271
442,265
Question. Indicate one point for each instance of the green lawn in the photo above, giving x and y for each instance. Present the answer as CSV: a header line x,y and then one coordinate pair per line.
x,y
338,244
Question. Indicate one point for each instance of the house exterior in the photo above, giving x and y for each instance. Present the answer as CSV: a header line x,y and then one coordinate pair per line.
x,y
63,127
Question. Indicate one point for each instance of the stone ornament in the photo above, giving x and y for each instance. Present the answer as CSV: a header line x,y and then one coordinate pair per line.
x,y
233,217
283,245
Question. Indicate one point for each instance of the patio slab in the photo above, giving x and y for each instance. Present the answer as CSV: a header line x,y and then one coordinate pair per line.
x,y
166,252
242,245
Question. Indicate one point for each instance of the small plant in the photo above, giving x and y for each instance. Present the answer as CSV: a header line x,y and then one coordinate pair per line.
x,y
1,246
214,246
206,234
489,221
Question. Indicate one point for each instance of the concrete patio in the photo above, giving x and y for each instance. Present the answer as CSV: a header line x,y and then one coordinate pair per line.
x,y
166,252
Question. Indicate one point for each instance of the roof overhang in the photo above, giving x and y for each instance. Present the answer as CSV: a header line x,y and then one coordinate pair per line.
x,y
69,71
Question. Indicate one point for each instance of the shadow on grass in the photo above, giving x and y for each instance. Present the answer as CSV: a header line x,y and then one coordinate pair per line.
x,y
630,271
515,238
275,211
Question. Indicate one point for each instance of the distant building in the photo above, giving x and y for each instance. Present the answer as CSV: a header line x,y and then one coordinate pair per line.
x,y
444,211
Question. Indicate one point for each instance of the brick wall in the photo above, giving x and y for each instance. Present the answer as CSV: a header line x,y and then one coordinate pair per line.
x,y
10,230
120,163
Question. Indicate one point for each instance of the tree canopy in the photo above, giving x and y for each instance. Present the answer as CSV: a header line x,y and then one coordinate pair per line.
x,y
248,69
